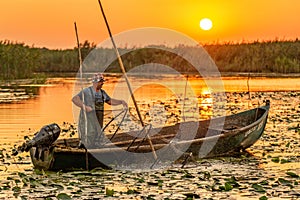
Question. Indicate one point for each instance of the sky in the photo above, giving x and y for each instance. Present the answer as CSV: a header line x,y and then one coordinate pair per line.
x,y
50,23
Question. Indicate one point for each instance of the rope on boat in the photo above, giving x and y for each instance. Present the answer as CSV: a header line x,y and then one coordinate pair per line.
x,y
119,125
146,135
107,112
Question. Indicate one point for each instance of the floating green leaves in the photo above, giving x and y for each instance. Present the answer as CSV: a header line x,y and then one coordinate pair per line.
x,y
109,192
280,160
263,198
258,188
191,196
245,175
16,189
276,159
140,180
187,175
284,182
292,174
156,183
63,196
233,181
227,187
130,191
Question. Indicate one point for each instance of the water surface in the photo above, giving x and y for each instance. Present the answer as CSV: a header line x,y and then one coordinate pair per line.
x,y
266,171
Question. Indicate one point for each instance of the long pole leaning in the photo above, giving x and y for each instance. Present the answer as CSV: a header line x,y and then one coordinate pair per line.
x,y
186,82
83,100
125,76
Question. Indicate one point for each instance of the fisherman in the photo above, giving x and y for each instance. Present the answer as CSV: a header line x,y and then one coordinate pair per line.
x,y
91,100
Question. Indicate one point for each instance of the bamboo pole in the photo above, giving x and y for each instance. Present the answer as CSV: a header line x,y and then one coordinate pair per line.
x,y
83,107
248,87
186,82
125,76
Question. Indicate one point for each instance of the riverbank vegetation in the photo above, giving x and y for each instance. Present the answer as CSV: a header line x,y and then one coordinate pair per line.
x,y
20,61
257,57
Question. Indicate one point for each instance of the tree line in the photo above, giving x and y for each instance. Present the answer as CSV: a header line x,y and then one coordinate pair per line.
x,y
259,57
20,61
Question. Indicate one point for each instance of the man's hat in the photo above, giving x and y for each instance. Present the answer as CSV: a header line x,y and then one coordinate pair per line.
x,y
98,77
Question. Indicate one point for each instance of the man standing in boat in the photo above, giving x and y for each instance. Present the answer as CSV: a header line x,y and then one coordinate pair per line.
x,y
91,100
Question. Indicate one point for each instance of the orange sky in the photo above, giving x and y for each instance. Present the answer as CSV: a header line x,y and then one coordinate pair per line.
x,y
50,23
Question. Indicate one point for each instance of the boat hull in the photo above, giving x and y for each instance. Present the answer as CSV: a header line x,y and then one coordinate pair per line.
x,y
212,138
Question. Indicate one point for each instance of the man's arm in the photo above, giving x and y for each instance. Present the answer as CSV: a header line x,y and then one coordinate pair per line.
x,y
77,101
115,102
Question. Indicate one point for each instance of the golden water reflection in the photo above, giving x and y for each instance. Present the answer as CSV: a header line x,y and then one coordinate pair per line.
x,y
53,104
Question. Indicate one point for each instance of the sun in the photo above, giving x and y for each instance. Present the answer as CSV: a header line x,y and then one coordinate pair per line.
x,y
205,24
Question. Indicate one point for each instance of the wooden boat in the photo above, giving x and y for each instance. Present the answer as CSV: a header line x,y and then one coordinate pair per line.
x,y
203,139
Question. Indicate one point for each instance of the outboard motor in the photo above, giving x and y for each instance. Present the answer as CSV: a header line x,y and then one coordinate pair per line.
x,y
44,138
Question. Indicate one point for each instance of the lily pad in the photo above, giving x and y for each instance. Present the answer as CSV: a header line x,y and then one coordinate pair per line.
x,y
292,174
258,188
228,186
263,198
130,191
276,160
191,196
63,196
284,181
109,192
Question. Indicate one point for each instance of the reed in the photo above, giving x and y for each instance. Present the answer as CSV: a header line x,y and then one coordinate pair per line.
x,y
19,61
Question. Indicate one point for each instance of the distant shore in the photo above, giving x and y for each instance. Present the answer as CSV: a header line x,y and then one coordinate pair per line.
x,y
259,59
51,78
268,75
